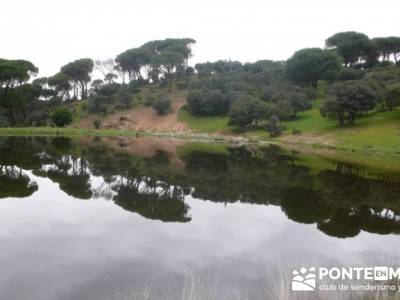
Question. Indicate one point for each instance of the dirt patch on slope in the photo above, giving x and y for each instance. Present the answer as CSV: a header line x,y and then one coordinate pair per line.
x,y
146,119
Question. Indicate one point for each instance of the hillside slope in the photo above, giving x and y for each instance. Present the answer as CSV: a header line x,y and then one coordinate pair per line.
x,y
141,118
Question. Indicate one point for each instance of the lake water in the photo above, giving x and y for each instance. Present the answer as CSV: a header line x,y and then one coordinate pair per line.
x,y
151,219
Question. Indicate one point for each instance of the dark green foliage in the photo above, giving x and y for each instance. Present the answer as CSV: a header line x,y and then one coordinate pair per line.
x,y
350,74
294,98
78,73
97,124
307,66
61,84
296,131
348,101
62,117
4,122
182,85
384,81
108,90
386,47
211,102
352,46
284,88
124,99
274,126
223,82
265,71
15,72
38,118
99,104
15,92
392,95
162,105
218,67
247,111
149,99
161,59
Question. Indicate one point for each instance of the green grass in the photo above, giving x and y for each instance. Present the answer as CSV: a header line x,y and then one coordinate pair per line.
x,y
204,124
377,132
310,121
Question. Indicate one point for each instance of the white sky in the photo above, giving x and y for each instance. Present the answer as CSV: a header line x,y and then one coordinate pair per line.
x,y
51,33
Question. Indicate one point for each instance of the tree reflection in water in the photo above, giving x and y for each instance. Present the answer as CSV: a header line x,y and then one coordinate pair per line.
x,y
342,201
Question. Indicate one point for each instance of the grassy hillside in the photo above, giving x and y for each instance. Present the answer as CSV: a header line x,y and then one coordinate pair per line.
x,y
377,132
206,124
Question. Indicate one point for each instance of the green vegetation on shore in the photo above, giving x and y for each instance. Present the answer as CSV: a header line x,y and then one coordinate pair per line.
x,y
356,107
208,124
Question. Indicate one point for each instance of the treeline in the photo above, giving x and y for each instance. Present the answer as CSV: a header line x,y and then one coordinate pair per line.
x,y
362,73
40,102
248,93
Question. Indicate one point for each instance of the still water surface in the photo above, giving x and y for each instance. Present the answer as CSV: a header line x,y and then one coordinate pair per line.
x,y
140,219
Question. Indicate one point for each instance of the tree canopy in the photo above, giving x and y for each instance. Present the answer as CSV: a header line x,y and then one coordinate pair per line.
x,y
352,46
309,65
349,100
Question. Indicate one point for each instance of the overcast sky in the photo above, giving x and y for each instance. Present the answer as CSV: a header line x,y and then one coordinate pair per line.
x,y
51,33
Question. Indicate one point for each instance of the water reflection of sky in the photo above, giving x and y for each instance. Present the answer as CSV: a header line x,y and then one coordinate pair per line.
x,y
53,246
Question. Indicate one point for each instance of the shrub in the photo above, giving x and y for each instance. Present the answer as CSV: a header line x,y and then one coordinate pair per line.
x,y
213,102
124,100
98,104
296,131
38,118
182,85
246,111
162,105
149,99
274,126
97,124
108,90
62,117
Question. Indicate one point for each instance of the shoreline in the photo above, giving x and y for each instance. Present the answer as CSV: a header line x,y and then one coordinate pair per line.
x,y
187,136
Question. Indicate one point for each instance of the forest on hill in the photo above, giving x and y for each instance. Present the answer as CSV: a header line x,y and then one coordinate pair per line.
x,y
362,75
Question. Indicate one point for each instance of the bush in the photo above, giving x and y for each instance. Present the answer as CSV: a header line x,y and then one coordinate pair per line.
x,y
274,126
3,118
124,100
149,99
38,118
108,90
62,117
296,131
182,85
246,112
98,104
97,124
162,105
209,103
